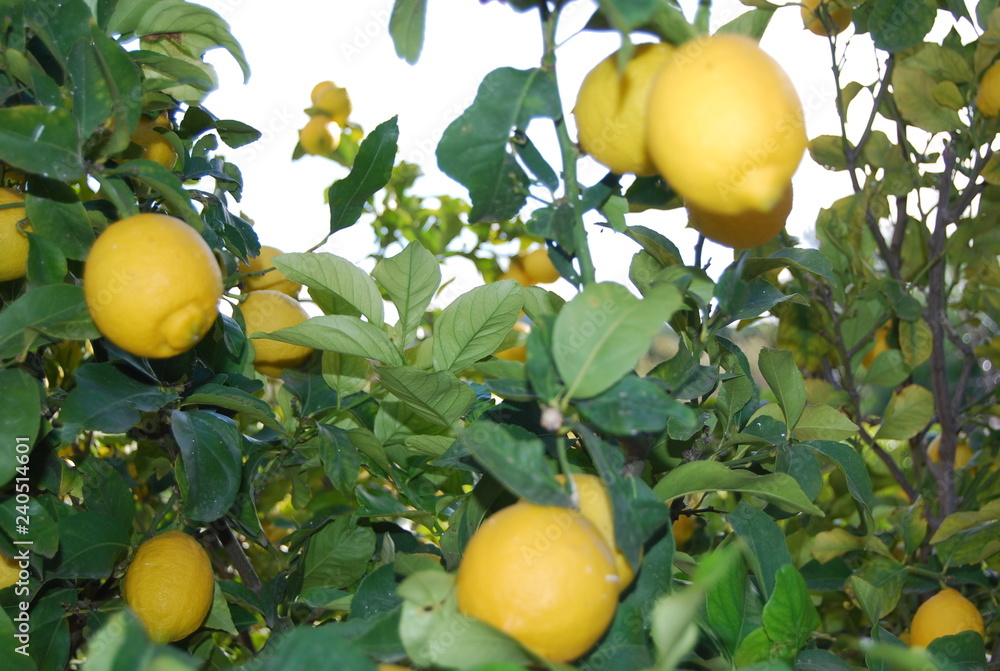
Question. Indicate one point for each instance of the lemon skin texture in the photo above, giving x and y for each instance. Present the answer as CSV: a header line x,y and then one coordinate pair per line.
x,y
988,98
13,241
725,125
155,147
316,138
840,17
333,101
544,576
170,585
268,310
611,110
944,614
538,267
272,279
152,285
745,230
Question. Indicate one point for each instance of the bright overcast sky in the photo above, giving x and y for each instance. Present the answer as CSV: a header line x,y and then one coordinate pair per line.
x,y
348,42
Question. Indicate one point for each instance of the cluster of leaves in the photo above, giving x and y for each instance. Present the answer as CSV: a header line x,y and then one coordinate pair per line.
x,y
343,495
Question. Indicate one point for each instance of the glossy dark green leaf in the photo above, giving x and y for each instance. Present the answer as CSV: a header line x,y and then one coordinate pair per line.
x,y
46,262
818,659
801,464
341,333
752,23
372,170
733,609
406,25
765,542
90,546
627,16
106,399
632,406
165,183
236,134
965,650
65,224
438,397
898,26
338,554
42,141
252,408
761,297
474,148
852,464
684,375
43,530
536,163
474,325
105,492
789,614
783,377
212,457
20,421
314,648
805,260
410,278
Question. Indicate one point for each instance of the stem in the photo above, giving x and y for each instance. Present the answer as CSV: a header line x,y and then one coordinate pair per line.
x,y
236,555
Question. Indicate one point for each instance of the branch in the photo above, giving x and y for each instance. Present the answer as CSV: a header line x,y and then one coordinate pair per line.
x,y
236,555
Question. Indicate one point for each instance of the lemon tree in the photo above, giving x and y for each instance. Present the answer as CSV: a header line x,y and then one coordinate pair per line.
x,y
218,455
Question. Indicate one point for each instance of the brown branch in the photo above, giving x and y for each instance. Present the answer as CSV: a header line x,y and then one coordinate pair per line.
x,y
236,555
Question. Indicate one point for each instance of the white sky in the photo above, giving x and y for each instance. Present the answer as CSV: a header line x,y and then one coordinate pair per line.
x,y
309,41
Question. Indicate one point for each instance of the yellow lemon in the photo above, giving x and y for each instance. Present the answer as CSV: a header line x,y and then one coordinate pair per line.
x,y
744,230
684,528
152,285
169,585
155,146
725,125
13,241
544,576
272,279
267,311
333,101
963,453
517,274
538,267
316,138
988,98
881,345
944,614
840,17
595,505
518,352
611,110
9,571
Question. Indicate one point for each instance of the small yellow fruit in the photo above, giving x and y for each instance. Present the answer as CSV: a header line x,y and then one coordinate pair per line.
x,y
13,241
726,127
963,453
316,138
611,110
9,571
744,230
538,267
267,311
152,285
155,147
684,528
332,100
518,352
988,98
544,576
517,274
272,279
840,17
595,505
170,585
881,345
944,614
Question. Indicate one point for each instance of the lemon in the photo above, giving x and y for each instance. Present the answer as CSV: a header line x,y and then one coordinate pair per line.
x,y
544,576
333,101
13,241
881,345
725,125
963,453
944,614
988,98
152,285
517,274
744,230
9,571
169,585
611,110
840,17
518,352
155,146
272,279
538,267
684,528
316,138
268,310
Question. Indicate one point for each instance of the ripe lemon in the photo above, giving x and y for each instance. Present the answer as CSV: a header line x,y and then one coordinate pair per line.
x,y
169,585
881,345
9,571
538,267
267,311
517,274
945,613
518,352
725,125
988,98
744,230
152,285
333,100
963,453
840,17
272,279
13,241
611,110
544,576
684,528
595,505
316,138
155,146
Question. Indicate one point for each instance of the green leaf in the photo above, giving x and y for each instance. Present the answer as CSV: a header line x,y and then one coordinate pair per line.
x,y
755,648
213,461
406,25
341,459
475,324
410,278
867,597
823,422
752,23
338,555
474,149
965,650
780,489
313,648
765,542
65,224
106,399
627,16
165,183
252,408
898,26
789,615
969,537
121,643
828,151
601,333
105,492
41,140
805,260
341,333
888,577
851,464
633,406
44,531
908,412
337,275
372,170
761,297
732,611
90,546
913,91
346,374
42,316
438,397
20,421
783,377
